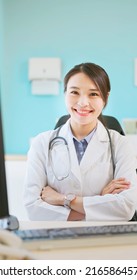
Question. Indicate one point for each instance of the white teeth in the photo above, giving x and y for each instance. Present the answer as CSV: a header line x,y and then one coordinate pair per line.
x,y
83,112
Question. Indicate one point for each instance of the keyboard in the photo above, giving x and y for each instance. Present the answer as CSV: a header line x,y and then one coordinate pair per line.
x,y
78,237
75,232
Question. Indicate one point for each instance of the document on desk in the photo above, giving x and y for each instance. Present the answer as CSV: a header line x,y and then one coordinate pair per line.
x,y
78,237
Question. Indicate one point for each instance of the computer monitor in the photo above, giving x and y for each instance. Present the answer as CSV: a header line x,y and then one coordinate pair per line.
x,y
7,221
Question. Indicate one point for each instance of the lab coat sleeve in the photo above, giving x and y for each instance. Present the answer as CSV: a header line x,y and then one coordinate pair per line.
x,y
35,180
122,206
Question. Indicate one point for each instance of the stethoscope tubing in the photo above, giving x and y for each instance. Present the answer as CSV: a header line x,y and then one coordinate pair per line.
x,y
51,143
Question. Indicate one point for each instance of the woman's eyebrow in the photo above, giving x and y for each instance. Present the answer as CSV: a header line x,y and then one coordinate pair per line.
x,y
74,87
91,89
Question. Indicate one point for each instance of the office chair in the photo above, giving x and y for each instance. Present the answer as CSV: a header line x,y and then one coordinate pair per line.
x,y
109,121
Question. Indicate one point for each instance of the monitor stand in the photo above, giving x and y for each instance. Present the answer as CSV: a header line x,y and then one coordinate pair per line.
x,y
10,222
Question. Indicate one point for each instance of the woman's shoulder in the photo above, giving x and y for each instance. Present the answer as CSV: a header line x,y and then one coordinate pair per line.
x,y
105,132
118,138
121,142
42,138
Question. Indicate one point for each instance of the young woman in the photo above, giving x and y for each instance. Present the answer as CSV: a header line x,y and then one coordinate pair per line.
x,y
70,173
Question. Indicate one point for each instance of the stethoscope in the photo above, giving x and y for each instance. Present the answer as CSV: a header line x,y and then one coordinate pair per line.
x,y
57,144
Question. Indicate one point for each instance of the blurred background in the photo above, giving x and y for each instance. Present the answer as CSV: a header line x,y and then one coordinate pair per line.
x,y
102,31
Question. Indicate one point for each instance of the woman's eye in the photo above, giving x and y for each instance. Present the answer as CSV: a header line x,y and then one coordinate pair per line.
x,y
94,94
74,92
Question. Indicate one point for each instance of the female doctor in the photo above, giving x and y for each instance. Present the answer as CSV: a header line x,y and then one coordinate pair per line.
x,y
70,174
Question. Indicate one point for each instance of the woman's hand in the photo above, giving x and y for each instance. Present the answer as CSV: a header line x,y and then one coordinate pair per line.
x,y
116,186
75,216
51,196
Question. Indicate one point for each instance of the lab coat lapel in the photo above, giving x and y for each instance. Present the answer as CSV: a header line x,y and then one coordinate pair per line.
x,y
75,168
95,149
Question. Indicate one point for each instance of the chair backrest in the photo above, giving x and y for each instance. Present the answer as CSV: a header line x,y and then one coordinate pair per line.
x,y
109,121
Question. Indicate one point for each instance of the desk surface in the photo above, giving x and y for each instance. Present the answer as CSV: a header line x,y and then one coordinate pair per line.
x,y
105,248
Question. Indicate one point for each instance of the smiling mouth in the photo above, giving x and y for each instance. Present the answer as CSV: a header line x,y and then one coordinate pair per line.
x,y
83,113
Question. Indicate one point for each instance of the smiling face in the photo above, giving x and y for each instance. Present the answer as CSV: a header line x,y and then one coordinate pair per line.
x,y
84,102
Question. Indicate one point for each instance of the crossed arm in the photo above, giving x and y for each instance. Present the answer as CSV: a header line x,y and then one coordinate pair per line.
x,y
77,212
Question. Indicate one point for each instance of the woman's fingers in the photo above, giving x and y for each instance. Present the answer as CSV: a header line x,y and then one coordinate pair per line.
x,y
119,185
116,186
116,191
42,191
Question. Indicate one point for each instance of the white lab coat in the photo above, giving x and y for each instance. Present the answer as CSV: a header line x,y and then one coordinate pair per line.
x,y
87,179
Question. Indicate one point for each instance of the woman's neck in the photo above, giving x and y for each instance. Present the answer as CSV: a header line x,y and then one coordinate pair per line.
x,y
81,131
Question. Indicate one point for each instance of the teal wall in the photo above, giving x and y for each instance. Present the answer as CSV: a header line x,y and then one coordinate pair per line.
x,y
101,31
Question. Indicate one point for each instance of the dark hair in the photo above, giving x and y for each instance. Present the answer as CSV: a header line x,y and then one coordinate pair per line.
x,y
96,73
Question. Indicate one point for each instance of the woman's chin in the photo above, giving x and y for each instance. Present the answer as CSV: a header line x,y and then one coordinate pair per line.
x,y
84,122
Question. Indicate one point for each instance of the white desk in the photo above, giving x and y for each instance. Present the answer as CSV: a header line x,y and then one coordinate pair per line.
x,y
105,247
15,174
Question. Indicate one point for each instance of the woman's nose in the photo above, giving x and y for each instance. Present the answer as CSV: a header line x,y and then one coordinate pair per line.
x,y
83,101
